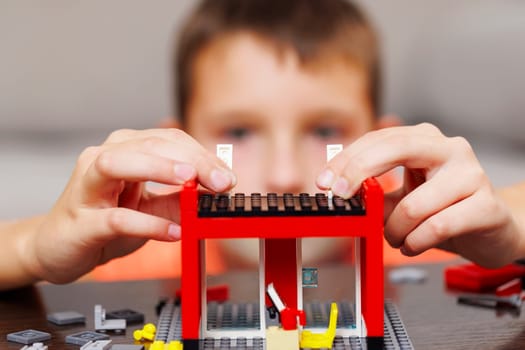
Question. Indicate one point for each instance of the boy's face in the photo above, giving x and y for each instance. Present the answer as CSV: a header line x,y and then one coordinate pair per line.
x,y
278,114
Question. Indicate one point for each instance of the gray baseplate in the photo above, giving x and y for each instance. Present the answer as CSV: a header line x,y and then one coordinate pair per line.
x,y
230,316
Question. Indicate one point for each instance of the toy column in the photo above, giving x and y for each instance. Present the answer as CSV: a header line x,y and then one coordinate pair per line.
x,y
280,266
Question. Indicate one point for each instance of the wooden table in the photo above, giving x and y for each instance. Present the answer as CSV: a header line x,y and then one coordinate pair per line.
x,y
432,317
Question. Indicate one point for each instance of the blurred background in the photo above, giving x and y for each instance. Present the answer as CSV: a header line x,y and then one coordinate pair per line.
x,y
73,71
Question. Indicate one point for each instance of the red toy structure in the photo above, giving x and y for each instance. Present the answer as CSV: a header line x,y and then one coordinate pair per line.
x,y
280,224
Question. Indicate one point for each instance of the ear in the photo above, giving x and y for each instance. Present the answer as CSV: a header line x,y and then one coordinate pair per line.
x,y
169,123
388,121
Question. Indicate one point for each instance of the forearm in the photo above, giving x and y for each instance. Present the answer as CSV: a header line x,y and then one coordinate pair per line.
x,y
15,256
514,197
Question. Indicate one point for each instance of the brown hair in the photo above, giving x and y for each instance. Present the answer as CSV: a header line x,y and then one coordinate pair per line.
x,y
314,29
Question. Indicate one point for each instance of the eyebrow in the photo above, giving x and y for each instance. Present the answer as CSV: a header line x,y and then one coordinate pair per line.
x,y
235,116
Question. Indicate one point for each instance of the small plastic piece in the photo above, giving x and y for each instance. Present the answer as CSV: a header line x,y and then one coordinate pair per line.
x,y
102,324
321,340
407,275
512,287
127,347
35,346
290,317
310,277
66,317
490,300
474,278
97,345
84,337
131,316
175,345
280,339
157,345
225,153
28,336
147,332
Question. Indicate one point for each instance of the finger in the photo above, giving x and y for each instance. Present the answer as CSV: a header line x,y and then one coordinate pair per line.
x,y
415,152
123,135
176,144
105,225
154,159
452,223
446,187
379,151
164,205
104,178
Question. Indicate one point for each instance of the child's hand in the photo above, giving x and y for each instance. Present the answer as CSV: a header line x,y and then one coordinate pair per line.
x,y
446,200
105,210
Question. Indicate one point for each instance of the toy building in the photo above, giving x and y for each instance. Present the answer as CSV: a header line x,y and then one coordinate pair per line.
x,y
280,222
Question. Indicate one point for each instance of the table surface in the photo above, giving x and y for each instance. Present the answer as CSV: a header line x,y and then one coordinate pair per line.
x,y
432,317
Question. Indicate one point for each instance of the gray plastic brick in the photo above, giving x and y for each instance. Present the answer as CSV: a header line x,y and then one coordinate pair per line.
x,y
227,316
84,337
127,347
131,316
66,317
28,336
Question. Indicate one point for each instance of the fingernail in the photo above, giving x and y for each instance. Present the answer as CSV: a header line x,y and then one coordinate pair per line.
x,y
326,178
221,179
174,232
341,188
184,172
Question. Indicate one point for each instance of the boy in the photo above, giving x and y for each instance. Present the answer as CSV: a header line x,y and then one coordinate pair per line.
x,y
279,91
278,80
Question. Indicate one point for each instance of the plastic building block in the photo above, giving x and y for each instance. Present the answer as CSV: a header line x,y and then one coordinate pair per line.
x,y
157,345
274,205
97,345
490,300
127,347
130,316
225,153
28,336
289,317
310,277
84,337
147,332
407,275
510,288
395,336
35,346
321,340
66,317
160,305
219,293
175,345
333,150
280,339
102,324
474,278
161,345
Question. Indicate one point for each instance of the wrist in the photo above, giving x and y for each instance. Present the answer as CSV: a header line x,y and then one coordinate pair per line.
x,y
26,249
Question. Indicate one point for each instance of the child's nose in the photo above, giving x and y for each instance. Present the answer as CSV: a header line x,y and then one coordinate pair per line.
x,y
285,172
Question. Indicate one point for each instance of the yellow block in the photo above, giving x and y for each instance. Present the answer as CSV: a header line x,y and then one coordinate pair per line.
x,y
321,340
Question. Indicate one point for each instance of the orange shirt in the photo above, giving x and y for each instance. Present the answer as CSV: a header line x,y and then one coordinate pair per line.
x,y
162,260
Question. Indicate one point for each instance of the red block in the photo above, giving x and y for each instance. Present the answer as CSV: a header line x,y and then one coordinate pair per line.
x,y
474,278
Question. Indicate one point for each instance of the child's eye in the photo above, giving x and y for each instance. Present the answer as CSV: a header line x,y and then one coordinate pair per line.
x,y
326,132
238,134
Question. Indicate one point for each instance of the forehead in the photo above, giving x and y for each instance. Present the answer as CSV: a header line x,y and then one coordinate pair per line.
x,y
243,68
